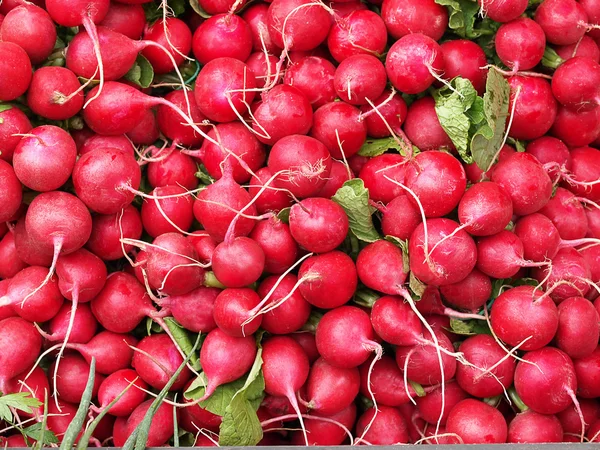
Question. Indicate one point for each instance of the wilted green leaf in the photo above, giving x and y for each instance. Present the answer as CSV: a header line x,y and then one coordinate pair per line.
x,y
376,147
404,247
141,73
241,425
354,198
462,15
199,10
184,340
416,285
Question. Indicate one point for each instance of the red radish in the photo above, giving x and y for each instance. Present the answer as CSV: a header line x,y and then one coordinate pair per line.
x,y
430,408
475,174
13,123
491,372
529,193
107,230
116,383
286,369
382,426
485,209
521,312
274,238
263,68
533,105
423,128
360,78
574,83
412,61
194,417
380,266
256,18
395,322
469,294
330,279
22,344
215,357
550,152
292,310
297,24
270,199
31,28
402,18
465,58
173,127
214,7
60,415
161,427
146,131
307,342
222,36
47,150
71,376
339,126
567,214
378,171
345,337
174,35
96,141
233,310
224,89
588,375
319,432
314,77
284,111
439,266
103,179
563,21
16,71
194,310
34,294
387,383
11,195
238,262
520,44
301,164
54,93
10,263
169,211
585,167
539,237
174,169
587,47
330,389
545,380
576,128
400,217
392,107
357,33
81,275
578,327
129,20
476,422
503,11
29,250
36,384
84,325
530,427
112,351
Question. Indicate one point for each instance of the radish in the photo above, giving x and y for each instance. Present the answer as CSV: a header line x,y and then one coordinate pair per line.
x,y
222,36
308,343
539,237
114,384
357,33
288,310
156,360
533,105
276,241
172,126
380,267
546,381
587,47
104,178
47,150
112,351
520,44
529,193
238,262
339,126
28,249
584,74
386,382
314,77
273,199
530,427
233,310
167,209
476,422
485,209
15,70
330,279
70,378
563,21
399,217
96,141
283,112
464,58
13,123
525,317
172,34
550,152
84,325
412,63
429,407
330,389
588,375
377,172
10,263
215,357
255,16
31,28
389,111
567,214
395,322
214,7
578,327
36,385
174,169
161,426
129,20
382,426
327,433
469,294
423,128
107,230
54,93
22,343
262,66
194,310
11,196
359,78
402,18
503,11
586,172
146,131
576,128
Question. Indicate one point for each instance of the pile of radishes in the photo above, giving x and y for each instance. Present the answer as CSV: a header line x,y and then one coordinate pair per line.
x,y
248,222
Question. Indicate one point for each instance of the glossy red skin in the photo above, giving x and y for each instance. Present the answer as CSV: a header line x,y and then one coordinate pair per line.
x,y
539,237
578,328
485,208
530,427
263,68
400,218
449,268
194,310
465,58
560,20
28,249
407,17
59,419
129,20
408,60
14,122
16,71
41,306
104,240
179,210
162,425
114,384
256,18
515,316
477,423
173,127
233,307
375,179
312,75
330,389
359,32
393,110
587,48
387,428
71,14
175,169
501,255
545,389
588,375
12,193
576,128
422,126
575,83
387,382
112,351
10,263
567,214
585,166
380,267
335,279
145,132
337,177
429,407
22,344
277,243
180,37
395,322
31,28
285,366
222,36
304,30
469,294
269,199
291,315
97,141
42,94
84,326
535,109
548,149
592,9
72,375
503,11
81,275
326,433
338,125
520,44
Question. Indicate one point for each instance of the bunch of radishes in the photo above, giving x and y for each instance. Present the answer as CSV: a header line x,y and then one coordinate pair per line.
x,y
232,222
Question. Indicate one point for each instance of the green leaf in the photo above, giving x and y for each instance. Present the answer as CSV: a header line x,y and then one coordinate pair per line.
x,y
404,247
184,340
469,327
152,327
551,59
418,388
79,419
284,215
416,285
376,147
453,110
462,15
519,145
5,107
354,198
241,425
218,401
141,73
254,386
199,10
37,432
487,140
21,401
203,176
40,442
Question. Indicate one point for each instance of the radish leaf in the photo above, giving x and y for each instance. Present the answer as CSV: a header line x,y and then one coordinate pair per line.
x,y
354,198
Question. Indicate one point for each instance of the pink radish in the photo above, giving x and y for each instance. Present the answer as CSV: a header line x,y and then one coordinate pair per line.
x,y
129,20
222,36
114,384
16,71
172,34
357,33
194,310
422,126
238,262
233,310
11,195
402,18
520,44
14,124
107,230
289,316
22,343
313,76
476,422
276,241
